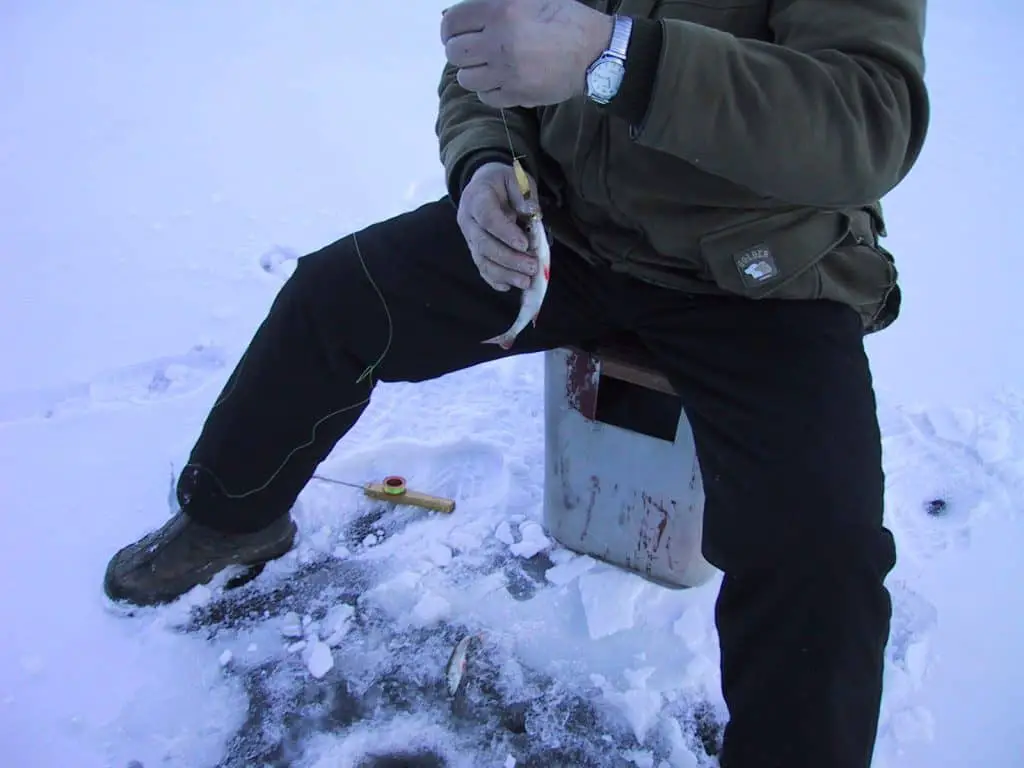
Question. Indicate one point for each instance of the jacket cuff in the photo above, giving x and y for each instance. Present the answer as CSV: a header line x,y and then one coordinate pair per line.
x,y
469,165
632,101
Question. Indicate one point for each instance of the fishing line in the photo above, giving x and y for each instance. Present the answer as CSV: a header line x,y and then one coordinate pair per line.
x,y
367,374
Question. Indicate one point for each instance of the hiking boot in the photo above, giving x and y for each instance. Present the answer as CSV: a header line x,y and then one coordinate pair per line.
x,y
165,564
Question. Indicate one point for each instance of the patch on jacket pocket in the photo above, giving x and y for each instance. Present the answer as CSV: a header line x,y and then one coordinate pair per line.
x,y
756,265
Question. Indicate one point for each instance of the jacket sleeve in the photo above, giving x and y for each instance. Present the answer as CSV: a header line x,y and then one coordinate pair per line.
x,y
470,133
832,113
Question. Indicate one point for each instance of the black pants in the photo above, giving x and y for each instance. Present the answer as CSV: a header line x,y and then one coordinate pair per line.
x,y
779,395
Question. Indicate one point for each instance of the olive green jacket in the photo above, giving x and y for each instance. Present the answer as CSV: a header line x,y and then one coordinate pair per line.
x,y
746,152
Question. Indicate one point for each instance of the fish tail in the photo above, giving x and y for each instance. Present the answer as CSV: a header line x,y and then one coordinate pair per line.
x,y
503,340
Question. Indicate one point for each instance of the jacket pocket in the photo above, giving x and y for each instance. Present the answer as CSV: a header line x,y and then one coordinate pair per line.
x,y
743,18
863,276
774,256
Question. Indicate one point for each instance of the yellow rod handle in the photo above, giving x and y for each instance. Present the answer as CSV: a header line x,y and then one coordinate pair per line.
x,y
410,498
521,178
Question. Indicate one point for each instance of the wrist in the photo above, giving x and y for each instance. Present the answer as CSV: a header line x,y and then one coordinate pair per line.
x,y
473,163
633,99
597,36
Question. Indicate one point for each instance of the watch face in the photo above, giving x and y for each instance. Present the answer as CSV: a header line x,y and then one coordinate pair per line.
x,y
605,78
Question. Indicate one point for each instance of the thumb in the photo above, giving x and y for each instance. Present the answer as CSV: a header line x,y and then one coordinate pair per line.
x,y
524,205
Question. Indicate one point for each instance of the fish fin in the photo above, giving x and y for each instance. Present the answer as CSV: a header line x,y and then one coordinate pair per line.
x,y
503,340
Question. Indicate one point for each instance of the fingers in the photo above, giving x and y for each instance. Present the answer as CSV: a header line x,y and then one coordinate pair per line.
x,y
467,16
482,79
488,215
500,223
464,51
500,266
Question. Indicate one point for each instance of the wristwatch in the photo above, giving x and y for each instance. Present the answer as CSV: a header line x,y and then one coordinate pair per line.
x,y
604,76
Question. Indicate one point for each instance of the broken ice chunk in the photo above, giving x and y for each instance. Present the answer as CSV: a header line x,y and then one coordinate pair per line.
x,y
291,625
563,573
439,554
561,555
503,533
319,659
640,708
430,609
225,658
337,623
637,678
534,541
296,647
609,601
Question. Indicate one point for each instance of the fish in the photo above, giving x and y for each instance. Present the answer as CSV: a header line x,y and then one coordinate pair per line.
x,y
456,667
533,295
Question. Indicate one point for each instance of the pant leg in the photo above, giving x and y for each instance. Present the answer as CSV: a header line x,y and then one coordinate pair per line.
x,y
300,384
783,411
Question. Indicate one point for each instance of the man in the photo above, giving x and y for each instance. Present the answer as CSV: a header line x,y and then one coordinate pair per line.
x,y
709,171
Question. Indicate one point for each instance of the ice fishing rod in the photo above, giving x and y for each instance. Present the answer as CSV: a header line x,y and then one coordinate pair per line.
x,y
393,489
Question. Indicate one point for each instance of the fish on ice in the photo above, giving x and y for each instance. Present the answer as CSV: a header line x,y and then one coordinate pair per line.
x,y
456,667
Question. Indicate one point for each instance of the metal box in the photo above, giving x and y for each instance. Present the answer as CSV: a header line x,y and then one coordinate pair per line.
x,y
622,480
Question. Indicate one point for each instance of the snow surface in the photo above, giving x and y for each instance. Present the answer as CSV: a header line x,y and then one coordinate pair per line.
x,y
164,163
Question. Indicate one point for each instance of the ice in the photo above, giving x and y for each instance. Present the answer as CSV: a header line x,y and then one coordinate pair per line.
x,y
319,659
609,601
291,625
430,609
225,658
641,708
680,755
641,758
569,569
534,540
337,623
561,555
439,554
503,533
691,628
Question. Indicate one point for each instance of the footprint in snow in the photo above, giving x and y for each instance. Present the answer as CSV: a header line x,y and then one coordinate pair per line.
x,y
138,383
942,475
279,261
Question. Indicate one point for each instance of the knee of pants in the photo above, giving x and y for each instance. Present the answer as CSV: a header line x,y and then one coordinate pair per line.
x,y
326,273
330,301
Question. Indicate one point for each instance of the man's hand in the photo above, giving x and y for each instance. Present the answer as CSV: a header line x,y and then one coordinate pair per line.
x,y
523,53
488,214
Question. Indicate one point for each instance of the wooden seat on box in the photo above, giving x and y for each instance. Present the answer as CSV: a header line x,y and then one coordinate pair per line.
x,y
622,481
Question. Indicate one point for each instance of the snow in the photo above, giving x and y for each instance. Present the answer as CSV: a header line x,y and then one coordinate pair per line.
x,y
165,164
